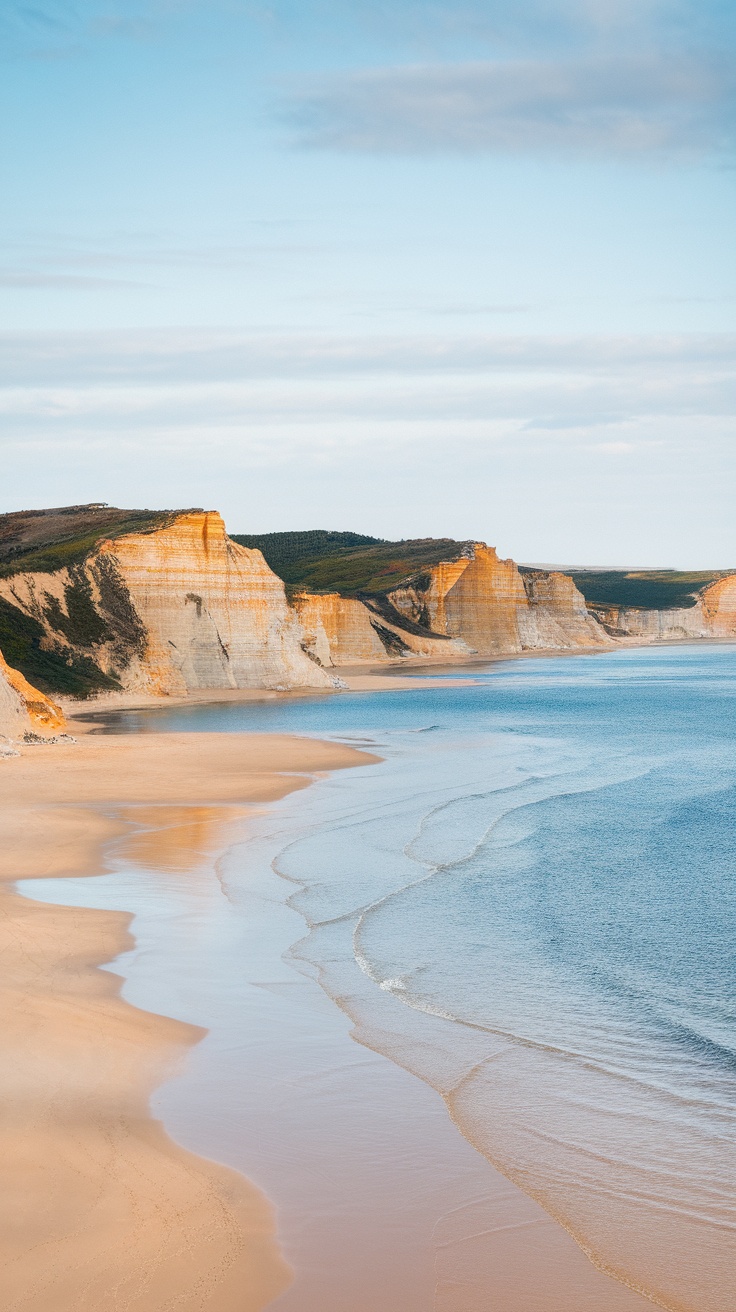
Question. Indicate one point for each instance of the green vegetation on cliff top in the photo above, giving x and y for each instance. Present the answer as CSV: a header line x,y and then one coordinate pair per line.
x,y
348,563
655,589
353,564
45,541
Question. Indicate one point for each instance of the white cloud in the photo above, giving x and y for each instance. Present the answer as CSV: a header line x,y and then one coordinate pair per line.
x,y
558,448
275,395
633,105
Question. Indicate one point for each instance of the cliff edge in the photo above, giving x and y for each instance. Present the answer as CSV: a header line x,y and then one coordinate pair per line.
x,y
169,605
94,599
471,604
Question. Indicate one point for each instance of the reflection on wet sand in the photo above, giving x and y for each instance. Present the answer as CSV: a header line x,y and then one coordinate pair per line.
x,y
175,838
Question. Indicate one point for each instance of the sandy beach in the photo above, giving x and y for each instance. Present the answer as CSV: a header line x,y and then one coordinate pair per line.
x,y
100,1208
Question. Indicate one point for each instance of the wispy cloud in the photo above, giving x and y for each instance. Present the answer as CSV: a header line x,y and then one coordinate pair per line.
x,y
532,25
12,278
544,445
669,107
539,379
53,29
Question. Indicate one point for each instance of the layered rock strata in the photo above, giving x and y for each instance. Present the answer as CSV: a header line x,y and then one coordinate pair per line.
x,y
558,617
168,604
487,603
475,604
713,615
167,611
213,613
347,631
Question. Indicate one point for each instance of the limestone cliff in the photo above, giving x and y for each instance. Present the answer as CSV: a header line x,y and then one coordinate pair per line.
x,y
558,617
213,614
167,610
347,631
94,599
474,604
489,605
713,615
23,708
718,604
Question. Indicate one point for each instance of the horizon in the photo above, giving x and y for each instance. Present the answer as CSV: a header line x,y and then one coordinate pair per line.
x,y
234,533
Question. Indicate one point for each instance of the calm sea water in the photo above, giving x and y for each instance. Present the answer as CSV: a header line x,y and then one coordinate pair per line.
x,y
531,904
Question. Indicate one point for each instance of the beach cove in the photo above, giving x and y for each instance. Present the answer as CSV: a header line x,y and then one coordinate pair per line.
x,y
99,1203
379,1200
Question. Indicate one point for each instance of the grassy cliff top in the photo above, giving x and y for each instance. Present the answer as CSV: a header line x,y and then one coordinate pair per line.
x,y
348,563
660,589
47,540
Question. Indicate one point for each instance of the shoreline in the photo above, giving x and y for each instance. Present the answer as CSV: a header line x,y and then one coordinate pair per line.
x,y
395,676
93,793
352,1224
98,1201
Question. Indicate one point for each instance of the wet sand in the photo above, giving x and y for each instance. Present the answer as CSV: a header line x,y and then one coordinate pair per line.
x,y
100,1208
381,1203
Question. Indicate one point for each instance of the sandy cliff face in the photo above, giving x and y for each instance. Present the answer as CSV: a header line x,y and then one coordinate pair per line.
x,y
718,605
23,707
213,613
558,617
484,605
712,616
168,604
168,611
475,604
337,630
346,631
654,625
487,603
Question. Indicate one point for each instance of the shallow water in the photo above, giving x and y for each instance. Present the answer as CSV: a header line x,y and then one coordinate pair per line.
x,y
530,904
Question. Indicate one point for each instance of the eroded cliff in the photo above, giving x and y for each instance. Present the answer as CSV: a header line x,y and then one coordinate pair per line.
x,y
167,610
94,599
489,605
23,708
474,604
712,615
213,614
348,631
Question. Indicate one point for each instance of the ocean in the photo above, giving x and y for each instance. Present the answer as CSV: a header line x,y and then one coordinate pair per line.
x,y
530,905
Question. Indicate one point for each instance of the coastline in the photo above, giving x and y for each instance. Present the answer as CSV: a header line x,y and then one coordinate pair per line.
x,y
382,1201
141,786
98,1201
395,676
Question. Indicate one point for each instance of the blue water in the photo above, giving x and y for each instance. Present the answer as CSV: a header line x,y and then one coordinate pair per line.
x,y
531,904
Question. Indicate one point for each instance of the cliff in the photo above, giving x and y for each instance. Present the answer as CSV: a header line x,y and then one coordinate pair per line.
x,y
474,604
175,607
346,631
712,614
718,604
558,617
213,613
479,604
23,708
494,609
96,599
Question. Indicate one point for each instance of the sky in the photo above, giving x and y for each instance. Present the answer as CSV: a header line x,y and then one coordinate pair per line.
x,y
436,268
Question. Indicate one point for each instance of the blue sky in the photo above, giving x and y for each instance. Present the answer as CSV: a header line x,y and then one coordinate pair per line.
x,y
413,268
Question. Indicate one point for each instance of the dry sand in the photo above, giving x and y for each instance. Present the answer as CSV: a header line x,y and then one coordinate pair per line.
x,y
99,1208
